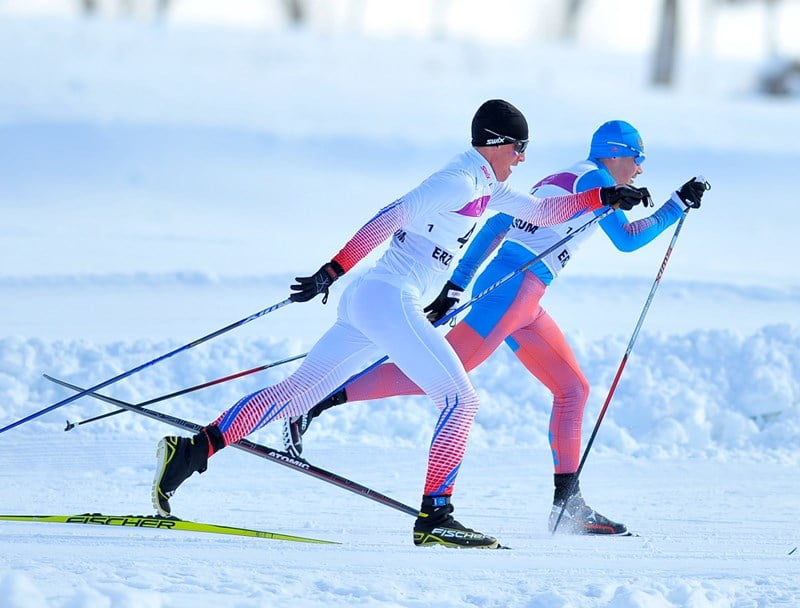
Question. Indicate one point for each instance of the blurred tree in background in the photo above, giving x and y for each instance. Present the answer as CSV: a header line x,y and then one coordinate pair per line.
x,y
666,44
125,7
296,11
571,16
552,19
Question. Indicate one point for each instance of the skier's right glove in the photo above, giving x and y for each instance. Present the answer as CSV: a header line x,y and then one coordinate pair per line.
x,y
447,298
691,193
308,287
625,197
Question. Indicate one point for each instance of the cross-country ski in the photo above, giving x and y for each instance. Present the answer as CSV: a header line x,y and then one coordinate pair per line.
x,y
155,522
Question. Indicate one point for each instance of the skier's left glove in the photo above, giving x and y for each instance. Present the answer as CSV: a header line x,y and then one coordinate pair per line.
x,y
309,287
447,298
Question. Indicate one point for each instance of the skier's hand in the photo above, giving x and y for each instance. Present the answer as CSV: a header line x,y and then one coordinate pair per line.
x,y
625,197
447,298
309,287
691,193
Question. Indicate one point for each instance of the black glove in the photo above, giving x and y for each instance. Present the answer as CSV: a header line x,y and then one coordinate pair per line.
x,y
447,298
627,197
691,193
308,287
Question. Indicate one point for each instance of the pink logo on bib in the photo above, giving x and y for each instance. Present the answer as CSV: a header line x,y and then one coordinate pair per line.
x,y
476,207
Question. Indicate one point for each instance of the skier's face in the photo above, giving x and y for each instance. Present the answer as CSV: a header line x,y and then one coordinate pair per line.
x,y
623,168
502,158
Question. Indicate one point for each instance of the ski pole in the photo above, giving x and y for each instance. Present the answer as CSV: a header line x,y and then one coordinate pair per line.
x,y
486,291
263,451
191,389
628,350
130,372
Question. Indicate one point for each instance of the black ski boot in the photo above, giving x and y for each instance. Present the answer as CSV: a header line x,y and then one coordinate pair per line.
x,y
578,518
294,427
435,525
178,458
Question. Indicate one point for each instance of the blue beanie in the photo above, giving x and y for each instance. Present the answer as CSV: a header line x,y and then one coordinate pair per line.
x,y
606,140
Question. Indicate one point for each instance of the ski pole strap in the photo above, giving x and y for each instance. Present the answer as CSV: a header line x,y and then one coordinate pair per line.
x,y
130,372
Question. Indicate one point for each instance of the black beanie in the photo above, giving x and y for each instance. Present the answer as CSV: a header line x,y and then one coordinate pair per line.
x,y
500,117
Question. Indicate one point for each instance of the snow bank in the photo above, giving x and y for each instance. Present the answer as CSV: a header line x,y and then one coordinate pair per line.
x,y
696,393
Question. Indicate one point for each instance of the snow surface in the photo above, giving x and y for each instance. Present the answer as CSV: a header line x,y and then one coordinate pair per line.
x,y
160,182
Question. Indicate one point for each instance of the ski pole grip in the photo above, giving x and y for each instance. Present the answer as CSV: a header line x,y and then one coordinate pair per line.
x,y
701,178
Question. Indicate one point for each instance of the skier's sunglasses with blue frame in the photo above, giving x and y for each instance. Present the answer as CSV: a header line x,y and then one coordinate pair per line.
x,y
520,145
638,156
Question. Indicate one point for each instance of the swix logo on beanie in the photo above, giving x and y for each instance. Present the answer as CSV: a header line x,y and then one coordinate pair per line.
x,y
497,122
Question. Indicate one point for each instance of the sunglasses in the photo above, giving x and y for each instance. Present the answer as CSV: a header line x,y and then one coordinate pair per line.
x,y
520,145
639,156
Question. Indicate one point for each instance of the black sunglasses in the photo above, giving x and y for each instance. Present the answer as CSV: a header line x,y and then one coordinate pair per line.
x,y
520,145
